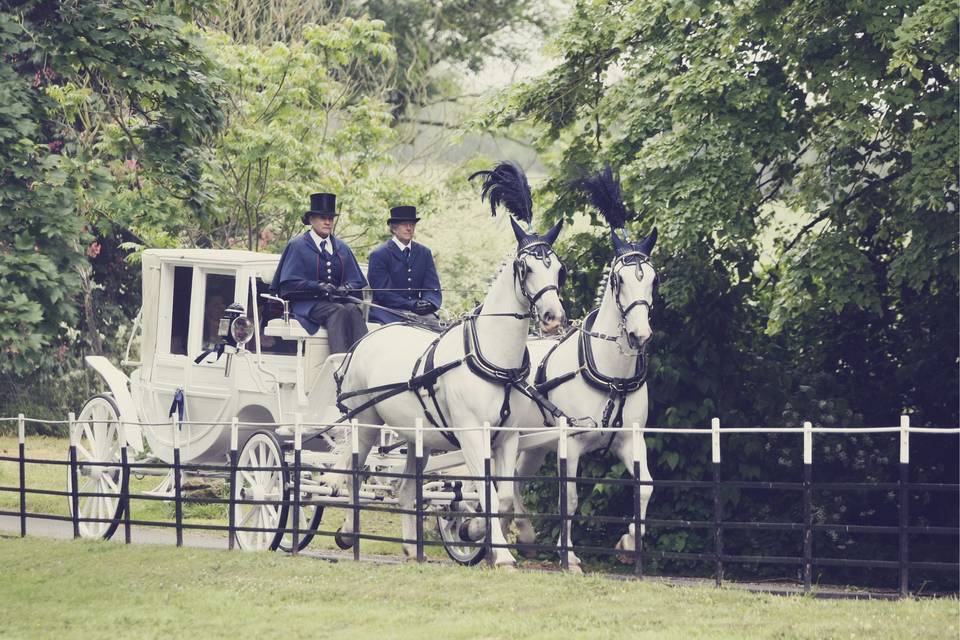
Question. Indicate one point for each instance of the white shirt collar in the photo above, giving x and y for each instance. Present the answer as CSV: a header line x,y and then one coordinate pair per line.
x,y
402,246
320,241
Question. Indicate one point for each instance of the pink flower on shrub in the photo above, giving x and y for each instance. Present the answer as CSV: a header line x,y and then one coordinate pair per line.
x,y
62,351
130,164
93,250
55,145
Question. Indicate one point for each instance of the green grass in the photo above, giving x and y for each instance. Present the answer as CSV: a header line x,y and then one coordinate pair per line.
x,y
84,589
54,477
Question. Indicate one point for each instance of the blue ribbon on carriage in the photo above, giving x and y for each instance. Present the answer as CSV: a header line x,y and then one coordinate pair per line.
x,y
177,405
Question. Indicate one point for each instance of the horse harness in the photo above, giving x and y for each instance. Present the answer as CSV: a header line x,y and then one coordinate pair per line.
x,y
423,378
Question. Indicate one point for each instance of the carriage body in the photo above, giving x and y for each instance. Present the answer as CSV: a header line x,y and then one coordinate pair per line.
x,y
184,295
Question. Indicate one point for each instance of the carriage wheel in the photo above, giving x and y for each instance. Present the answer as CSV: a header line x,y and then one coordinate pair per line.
x,y
451,524
310,517
262,449
98,441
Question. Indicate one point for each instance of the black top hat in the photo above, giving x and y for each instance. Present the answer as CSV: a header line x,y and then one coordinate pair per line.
x,y
321,204
403,213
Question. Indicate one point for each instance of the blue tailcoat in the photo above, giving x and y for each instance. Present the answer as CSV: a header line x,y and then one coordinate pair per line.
x,y
302,268
387,270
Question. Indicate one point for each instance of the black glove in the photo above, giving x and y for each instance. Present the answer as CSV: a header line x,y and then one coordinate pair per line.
x,y
423,307
342,292
325,290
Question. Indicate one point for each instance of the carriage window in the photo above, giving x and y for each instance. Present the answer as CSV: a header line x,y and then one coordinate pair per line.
x,y
267,311
180,321
219,293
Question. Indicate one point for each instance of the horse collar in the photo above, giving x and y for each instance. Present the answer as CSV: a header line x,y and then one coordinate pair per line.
x,y
595,377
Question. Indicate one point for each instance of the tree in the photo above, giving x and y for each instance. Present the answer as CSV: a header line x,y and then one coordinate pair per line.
x,y
304,116
800,161
96,95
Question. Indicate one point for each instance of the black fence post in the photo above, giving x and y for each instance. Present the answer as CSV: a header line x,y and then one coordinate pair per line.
x,y
22,442
297,462
418,452
355,444
904,491
807,506
177,488
74,489
487,496
231,506
717,505
638,445
124,481
562,477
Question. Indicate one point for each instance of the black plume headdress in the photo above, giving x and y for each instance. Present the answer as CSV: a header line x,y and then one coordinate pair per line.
x,y
507,184
604,192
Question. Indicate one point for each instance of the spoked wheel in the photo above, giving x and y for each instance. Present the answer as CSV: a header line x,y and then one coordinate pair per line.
x,y
98,441
452,524
262,449
310,517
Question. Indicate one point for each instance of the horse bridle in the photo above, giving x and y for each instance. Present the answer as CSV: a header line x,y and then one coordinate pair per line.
x,y
637,259
541,251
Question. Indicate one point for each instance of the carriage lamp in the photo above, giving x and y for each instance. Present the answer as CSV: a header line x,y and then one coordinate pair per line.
x,y
234,329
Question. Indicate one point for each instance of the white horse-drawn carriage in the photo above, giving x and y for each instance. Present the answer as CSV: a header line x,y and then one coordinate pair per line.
x,y
216,347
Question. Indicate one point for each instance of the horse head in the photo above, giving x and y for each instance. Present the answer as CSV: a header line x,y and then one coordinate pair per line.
x,y
633,285
538,272
632,277
539,275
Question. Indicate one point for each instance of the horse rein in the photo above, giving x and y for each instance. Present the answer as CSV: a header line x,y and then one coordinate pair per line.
x,y
521,270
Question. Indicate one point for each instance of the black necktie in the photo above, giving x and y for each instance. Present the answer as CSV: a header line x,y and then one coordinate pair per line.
x,y
406,255
323,248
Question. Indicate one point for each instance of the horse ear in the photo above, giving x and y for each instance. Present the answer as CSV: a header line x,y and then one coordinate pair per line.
x,y
552,235
619,246
520,234
647,245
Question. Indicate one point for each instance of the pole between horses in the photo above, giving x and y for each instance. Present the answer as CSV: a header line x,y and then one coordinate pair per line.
x,y
562,475
487,496
904,490
807,506
124,480
22,453
74,489
717,506
637,500
418,470
177,488
355,488
232,518
297,461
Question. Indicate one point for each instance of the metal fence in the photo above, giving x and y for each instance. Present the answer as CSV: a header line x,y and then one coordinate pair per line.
x,y
292,466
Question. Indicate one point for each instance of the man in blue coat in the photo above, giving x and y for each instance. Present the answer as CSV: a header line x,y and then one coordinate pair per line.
x,y
402,273
319,274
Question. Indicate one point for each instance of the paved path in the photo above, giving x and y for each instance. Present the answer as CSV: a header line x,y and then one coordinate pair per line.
x,y
38,527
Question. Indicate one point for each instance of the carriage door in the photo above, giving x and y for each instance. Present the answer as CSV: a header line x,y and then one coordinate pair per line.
x,y
209,389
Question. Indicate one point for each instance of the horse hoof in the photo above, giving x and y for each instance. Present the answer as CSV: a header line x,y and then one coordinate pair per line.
x,y
529,554
575,569
343,541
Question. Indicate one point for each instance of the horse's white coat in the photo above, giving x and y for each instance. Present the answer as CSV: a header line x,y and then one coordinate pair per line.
x,y
388,356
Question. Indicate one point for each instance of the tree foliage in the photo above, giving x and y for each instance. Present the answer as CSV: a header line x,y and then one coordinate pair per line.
x,y
800,161
94,94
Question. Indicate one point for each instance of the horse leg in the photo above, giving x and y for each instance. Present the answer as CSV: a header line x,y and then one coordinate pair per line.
x,y
574,449
624,449
343,482
472,446
505,465
407,500
528,463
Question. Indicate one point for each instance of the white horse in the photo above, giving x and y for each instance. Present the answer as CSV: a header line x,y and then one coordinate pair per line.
x,y
600,371
491,347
